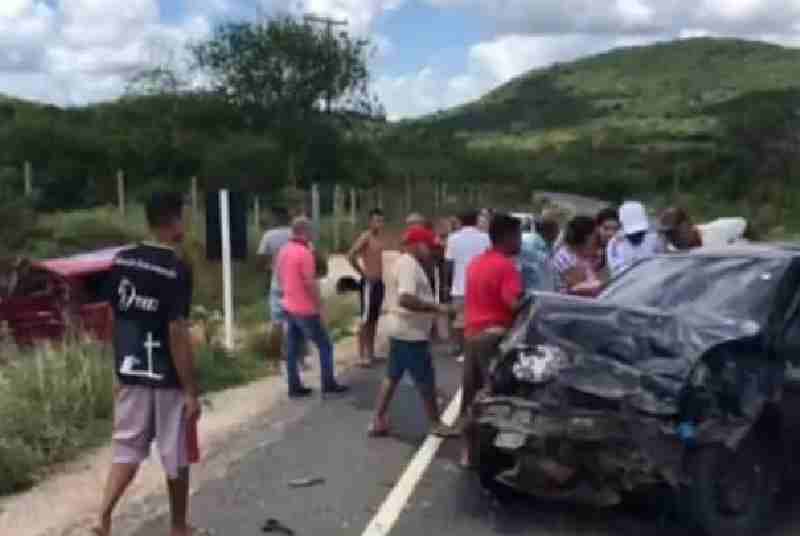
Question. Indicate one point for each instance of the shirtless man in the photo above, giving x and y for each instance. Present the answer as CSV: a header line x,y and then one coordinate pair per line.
x,y
366,257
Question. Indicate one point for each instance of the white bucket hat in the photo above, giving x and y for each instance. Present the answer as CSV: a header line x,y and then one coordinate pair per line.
x,y
633,217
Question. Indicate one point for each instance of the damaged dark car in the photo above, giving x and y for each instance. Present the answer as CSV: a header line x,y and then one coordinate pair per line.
x,y
677,377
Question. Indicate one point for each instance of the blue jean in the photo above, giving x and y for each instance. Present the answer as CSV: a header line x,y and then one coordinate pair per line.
x,y
302,328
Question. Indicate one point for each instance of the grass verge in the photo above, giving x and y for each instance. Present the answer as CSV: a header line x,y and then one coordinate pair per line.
x,y
55,402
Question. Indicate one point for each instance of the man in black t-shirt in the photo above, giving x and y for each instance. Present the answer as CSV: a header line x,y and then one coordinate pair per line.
x,y
150,290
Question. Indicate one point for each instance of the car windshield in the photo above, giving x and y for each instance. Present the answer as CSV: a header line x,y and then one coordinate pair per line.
x,y
733,287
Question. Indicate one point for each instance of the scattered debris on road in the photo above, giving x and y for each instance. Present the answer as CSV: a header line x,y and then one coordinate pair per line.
x,y
306,482
275,526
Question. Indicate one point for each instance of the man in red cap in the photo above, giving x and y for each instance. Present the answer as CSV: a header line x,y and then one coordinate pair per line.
x,y
412,311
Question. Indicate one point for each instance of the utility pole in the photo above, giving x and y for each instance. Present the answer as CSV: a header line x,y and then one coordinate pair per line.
x,y
329,24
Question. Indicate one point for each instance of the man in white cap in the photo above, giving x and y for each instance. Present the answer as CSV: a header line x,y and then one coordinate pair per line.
x,y
636,240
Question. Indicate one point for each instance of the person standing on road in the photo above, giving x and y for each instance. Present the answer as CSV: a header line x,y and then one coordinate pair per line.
x,y
463,247
156,395
411,315
536,254
493,292
635,242
366,257
574,261
303,305
270,246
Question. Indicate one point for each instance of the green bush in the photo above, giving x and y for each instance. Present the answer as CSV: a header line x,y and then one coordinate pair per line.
x,y
219,369
56,401
86,230
53,402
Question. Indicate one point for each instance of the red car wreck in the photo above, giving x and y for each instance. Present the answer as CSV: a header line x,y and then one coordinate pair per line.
x,y
46,300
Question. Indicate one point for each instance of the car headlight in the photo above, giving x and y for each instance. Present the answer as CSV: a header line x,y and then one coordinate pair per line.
x,y
539,364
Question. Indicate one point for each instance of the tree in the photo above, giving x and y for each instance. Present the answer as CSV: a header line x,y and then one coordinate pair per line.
x,y
279,72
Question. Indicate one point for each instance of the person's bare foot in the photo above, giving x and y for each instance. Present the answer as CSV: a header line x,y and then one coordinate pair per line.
x,y
103,528
466,462
379,427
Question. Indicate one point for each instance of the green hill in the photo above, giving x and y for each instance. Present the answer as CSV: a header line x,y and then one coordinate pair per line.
x,y
704,115
672,83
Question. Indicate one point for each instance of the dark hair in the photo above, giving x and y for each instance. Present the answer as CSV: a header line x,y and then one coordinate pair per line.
x,y
469,218
375,212
579,230
281,215
605,215
163,209
502,228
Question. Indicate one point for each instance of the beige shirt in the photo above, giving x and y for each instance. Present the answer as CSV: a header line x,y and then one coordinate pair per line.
x,y
408,277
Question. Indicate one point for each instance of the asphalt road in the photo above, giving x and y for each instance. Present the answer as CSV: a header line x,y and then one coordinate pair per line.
x,y
327,439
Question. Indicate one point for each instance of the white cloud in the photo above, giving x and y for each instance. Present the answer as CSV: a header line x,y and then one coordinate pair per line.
x,y
77,51
633,16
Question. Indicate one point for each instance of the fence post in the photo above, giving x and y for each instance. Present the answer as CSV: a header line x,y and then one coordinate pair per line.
x,y
315,210
257,214
28,171
195,201
353,205
121,191
380,197
408,195
337,194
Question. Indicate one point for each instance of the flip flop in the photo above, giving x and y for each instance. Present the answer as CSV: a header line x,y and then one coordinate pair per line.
x,y
466,463
273,525
375,432
446,432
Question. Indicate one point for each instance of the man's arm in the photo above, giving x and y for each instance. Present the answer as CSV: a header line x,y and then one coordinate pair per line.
x,y
183,356
181,346
413,303
309,274
355,253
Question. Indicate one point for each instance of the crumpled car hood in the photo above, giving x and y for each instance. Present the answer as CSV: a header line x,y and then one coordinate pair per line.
x,y
640,355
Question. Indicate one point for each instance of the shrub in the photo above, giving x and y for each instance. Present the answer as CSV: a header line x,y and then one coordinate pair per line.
x,y
53,401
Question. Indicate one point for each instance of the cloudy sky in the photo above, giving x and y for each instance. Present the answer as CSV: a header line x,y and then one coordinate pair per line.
x,y
429,54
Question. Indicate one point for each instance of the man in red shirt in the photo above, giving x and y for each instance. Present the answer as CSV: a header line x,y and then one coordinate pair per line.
x,y
493,295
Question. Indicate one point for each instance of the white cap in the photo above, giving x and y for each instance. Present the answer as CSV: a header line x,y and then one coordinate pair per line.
x,y
633,217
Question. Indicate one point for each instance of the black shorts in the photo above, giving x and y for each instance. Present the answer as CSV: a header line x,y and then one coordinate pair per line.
x,y
372,292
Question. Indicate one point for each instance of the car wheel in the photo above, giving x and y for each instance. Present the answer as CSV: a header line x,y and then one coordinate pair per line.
x,y
731,493
492,461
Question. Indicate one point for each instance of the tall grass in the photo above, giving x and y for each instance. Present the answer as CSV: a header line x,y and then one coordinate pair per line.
x,y
57,400
53,402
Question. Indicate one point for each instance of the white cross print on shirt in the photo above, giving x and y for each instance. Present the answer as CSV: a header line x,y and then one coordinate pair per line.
x,y
130,361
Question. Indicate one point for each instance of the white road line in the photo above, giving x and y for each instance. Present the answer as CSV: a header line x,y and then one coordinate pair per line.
x,y
392,507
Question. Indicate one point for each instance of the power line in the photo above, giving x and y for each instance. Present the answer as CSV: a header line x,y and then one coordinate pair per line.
x,y
329,24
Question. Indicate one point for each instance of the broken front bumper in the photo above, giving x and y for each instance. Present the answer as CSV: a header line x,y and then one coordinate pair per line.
x,y
574,453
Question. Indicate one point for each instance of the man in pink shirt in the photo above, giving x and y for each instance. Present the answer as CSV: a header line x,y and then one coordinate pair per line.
x,y
303,306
